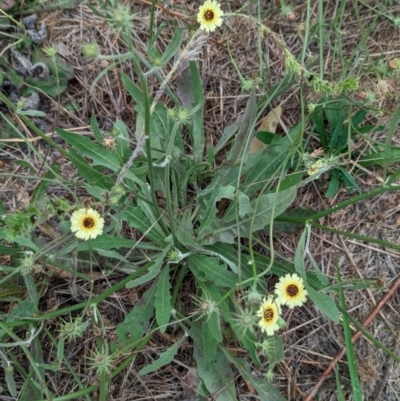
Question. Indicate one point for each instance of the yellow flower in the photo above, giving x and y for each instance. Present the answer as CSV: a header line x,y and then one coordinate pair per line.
x,y
209,15
290,291
269,313
86,223
313,169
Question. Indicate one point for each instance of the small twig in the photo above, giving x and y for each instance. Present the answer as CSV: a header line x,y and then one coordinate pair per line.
x,y
355,337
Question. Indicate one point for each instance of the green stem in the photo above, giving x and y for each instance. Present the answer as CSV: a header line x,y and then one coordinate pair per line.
x,y
68,364
370,337
339,206
147,132
178,284
95,301
73,396
31,359
356,236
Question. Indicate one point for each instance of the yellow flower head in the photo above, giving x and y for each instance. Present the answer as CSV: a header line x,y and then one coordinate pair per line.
x,y
269,313
290,291
210,15
86,223
313,168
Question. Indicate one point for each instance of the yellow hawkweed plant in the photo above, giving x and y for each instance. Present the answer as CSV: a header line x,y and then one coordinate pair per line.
x,y
210,15
269,313
86,223
290,291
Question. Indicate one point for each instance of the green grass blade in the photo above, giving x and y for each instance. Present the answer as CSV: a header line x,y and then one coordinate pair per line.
x,y
355,381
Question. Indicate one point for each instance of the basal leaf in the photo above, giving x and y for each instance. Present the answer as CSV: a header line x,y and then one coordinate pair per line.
x,y
24,309
153,271
137,321
91,175
135,217
299,255
248,340
217,375
122,139
275,353
163,300
214,325
106,242
190,92
209,344
266,209
324,303
163,359
266,391
211,269
240,150
43,186
99,155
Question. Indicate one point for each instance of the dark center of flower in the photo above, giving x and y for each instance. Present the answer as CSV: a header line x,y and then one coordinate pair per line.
x,y
88,222
268,314
292,290
209,15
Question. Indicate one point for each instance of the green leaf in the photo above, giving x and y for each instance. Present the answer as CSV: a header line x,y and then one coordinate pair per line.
x,y
355,381
239,153
266,209
23,241
275,353
333,186
248,340
184,232
289,227
123,145
217,375
214,325
91,175
24,309
324,303
50,86
60,68
349,181
210,269
153,271
8,376
266,137
163,300
190,92
380,158
209,343
32,290
137,322
99,155
164,358
266,391
135,217
25,164
173,46
40,190
96,129
159,119
261,166
106,242
226,192
338,385
227,135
